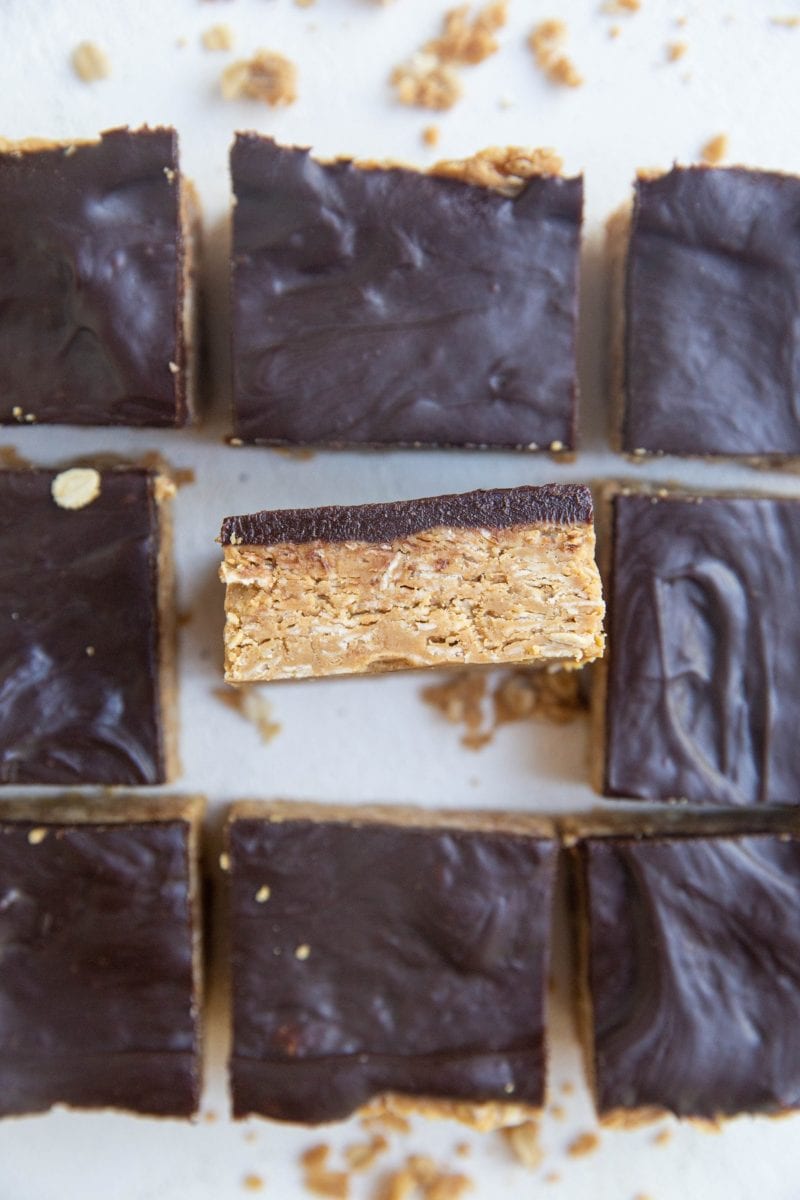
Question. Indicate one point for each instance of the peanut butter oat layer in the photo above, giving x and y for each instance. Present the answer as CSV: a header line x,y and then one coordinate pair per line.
x,y
86,627
98,241
688,974
100,987
391,958
502,576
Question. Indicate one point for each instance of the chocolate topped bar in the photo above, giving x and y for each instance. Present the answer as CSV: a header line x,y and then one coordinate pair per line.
x,y
95,291
379,305
499,508
712,314
99,990
85,622
701,701
485,577
385,953
691,974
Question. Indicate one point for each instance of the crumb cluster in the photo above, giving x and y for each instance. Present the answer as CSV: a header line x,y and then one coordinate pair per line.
x,y
429,79
267,76
90,63
546,42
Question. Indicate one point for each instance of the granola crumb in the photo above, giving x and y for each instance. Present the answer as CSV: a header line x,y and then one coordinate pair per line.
x,y
36,836
387,1120
546,41
218,37
459,699
715,150
304,3
615,7
583,1144
430,135
554,696
267,76
253,707
468,42
302,952
676,50
76,487
263,894
318,1178
785,22
663,1137
361,1156
424,82
90,62
523,1141
252,1183
614,31
420,1174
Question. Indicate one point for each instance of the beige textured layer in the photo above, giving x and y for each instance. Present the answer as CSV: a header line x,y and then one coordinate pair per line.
x,y
484,1116
439,598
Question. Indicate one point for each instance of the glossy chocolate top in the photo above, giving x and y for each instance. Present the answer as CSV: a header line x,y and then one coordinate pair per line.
x,y
91,287
499,508
704,642
384,958
97,1003
79,633
712,350
390,307
695,973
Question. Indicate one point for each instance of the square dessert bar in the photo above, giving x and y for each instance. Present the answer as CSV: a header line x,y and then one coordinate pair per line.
x,y
97,246
709,307
486,577
100,936
380,305
86,627
390,956
690,970
700,701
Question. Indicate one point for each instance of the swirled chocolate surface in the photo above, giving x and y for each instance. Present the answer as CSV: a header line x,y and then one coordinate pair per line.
x,y
79,633
712,314
694,972
392,307
97,1003
704,643
384,958
91,286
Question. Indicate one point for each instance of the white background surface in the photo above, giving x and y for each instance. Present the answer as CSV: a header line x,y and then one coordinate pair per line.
x,y
361,740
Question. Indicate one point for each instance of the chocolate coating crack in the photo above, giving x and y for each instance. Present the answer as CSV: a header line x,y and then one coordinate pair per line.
x,y
377,958
694,974
80,633
499,508
702,698
712,344
385,306
97,1002
92,285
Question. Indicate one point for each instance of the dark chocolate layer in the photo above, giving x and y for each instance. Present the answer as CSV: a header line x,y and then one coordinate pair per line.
x,y
386,958
97,1003
499,508
695,973
91,290
712,345
79,633
391,307
704,642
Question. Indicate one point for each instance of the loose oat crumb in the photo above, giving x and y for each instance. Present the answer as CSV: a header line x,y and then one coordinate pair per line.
x,y
173,366
614,31
318,1178
263,894
36,836
523,694
523,1141
304,3
252,1183
424,82
676,50
468,41
663,1137
546,41
583,1144
361,1156
76,487
224,862
785,22
392,1122
267,76
460,700
90,651
303,952
715,150
421,1175
218,37
430,135
16,412
621,6
253,707
90,63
